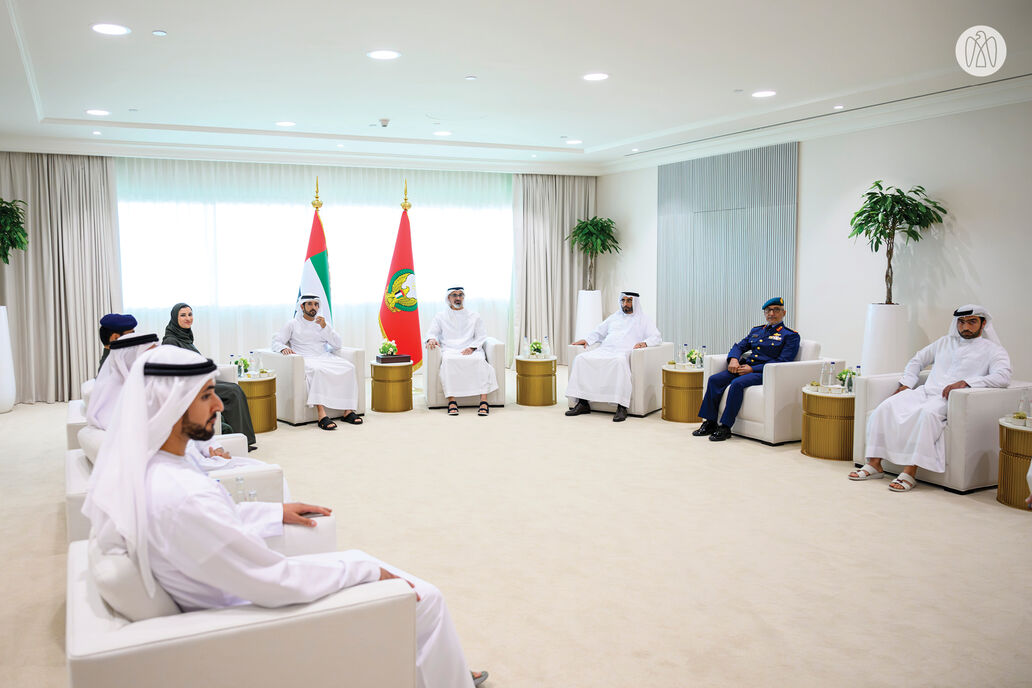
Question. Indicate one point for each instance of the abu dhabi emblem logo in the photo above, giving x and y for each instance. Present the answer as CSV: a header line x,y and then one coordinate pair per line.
x,y
981,51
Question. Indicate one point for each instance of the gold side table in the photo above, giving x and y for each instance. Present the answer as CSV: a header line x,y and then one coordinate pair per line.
x,y
535,381
1015,457
261,401
392,387
827,424
682,394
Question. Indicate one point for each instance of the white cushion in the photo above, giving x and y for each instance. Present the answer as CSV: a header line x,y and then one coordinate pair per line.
x,y
119,584
752,404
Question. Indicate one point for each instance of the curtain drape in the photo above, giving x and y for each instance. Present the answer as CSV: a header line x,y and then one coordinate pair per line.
x,y
548,273
58,289
230,240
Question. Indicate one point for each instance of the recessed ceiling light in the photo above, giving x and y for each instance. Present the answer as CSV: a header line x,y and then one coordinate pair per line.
x,y
111,29
340,145
737,90
838,107
634,150
96,133
471,77
383,54
597,76
573,142
764,94
285,124
160,33
442,133
98,113
533,155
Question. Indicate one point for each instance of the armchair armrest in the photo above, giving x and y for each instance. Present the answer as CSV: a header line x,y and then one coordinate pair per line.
x,y
493,350
783,397
226,373
234,443
266,481
297,540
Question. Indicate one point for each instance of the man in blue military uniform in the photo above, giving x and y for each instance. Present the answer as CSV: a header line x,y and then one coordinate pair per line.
x,y
770,343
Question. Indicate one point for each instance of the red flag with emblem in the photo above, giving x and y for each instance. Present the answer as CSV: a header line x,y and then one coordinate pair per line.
x,y
399,309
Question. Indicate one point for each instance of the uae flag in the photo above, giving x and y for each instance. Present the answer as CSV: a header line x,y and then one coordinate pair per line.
x,y
315,277
399,310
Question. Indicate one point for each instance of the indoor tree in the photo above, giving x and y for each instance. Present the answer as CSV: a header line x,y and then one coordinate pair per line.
x,y
593,237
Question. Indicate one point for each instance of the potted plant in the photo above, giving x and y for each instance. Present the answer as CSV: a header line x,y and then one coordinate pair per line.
x,y
888,213
12,235
535,349
592,238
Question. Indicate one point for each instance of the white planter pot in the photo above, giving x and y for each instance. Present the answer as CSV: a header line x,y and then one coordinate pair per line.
x,y
885,339
7,388
589,313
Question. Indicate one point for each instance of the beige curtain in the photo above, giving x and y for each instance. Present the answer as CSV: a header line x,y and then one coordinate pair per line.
x,y
547,272
57,290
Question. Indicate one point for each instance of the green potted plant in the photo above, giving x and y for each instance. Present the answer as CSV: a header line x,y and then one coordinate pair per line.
x,y
12,228
592,238
535,348
887,214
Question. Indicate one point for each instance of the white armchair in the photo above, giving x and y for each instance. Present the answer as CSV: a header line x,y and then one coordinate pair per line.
x,y
292,391
971,434
772,412
646,377
266,481
362,636
76,416
494,350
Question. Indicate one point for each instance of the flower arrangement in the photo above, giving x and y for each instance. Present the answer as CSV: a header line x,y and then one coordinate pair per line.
x,y
843,374
388,348
242,364
536,348
694,356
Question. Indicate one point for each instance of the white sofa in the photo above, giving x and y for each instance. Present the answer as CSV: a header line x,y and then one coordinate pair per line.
x,y
494,350
361,637
971,435
266,481
646,377
292,390
772,412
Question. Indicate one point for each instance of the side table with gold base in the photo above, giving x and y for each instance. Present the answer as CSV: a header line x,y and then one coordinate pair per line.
x,y
261,401
392,387
827,424
1015,457
682,394
535,381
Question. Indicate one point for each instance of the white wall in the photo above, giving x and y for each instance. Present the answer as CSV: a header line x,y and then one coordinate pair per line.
x,y
629,198
978,164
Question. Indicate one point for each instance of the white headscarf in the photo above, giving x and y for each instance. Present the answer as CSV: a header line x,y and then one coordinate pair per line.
x,y
988,331
636,312
299,312
124,352
148,407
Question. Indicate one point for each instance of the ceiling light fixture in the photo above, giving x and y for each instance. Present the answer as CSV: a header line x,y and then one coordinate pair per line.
x,y
340,145
764,94
111,29
160,33
533,155
596,76
573,142
634,150
383,54
442,133
96,133
98,113
285,124
471,77
838,107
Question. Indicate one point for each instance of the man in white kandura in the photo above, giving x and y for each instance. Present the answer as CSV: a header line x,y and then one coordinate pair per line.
x,y
465,371
907,428
331,380
604,373
107,390
185,533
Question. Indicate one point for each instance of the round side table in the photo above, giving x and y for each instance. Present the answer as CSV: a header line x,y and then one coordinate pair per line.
x,y
1015,457
682,394
261,401
535,381
392,387
827,424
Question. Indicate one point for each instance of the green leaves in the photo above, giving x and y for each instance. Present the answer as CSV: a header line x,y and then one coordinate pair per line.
x,y
594,236
888,210
12,228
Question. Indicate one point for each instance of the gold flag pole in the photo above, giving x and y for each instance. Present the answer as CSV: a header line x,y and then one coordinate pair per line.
x,y
317,203
405,205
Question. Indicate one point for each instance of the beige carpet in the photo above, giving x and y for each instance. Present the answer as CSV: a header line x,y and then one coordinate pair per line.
x,y
581,552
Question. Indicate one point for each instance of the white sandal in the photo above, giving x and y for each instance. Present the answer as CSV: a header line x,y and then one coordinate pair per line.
x,y
904,481
867,472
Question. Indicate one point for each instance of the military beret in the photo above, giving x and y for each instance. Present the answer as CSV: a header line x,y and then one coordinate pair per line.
x,y
776,301
117,322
